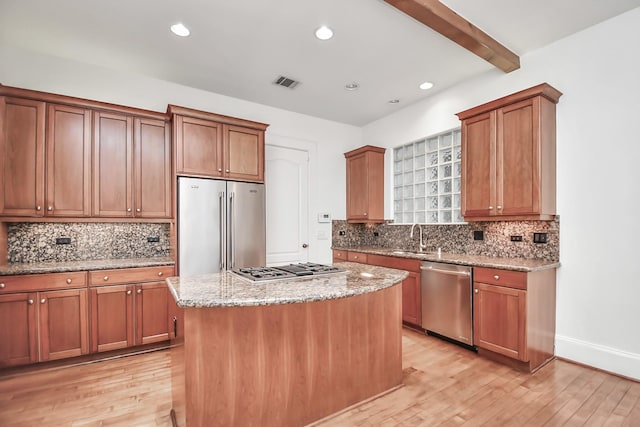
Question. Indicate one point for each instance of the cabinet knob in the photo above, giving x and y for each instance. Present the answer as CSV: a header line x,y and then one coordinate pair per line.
x,y
138,210
160,273
50,208
105,278
475,290
42,301
68,281
2,285
496,277
227,170
490,207
355,257
219,169
128,292
128,209
365,214
38,207
30,301
139,291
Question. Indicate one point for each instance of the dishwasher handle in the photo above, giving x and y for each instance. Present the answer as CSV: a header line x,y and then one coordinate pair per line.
x,y
453,273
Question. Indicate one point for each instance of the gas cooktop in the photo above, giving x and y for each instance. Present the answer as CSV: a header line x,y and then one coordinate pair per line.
x,y
258,274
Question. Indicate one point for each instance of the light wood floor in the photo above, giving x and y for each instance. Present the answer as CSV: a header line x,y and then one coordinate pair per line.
x,y
444,385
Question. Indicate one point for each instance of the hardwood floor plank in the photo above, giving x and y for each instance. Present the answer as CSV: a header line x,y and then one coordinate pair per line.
x,y
444,385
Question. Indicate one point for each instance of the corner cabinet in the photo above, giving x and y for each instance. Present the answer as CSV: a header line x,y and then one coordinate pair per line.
x,y
216,146
514,316
365,185
509,157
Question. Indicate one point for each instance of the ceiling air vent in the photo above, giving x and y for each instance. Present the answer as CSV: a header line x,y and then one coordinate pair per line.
x,y
286,82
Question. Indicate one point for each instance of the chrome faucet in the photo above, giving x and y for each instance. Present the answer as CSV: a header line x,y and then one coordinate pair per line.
x,y
422,245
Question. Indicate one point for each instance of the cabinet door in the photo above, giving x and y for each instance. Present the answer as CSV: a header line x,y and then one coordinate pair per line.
x,y
152,322
68,161
518,159
243,153
18,329
500,320
113,165
63,324
478,166
152,154
111,317
357,187
22,131
411,299
198,147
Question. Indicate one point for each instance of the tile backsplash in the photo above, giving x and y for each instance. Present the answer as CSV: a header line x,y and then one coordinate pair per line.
x,y
457,238
36,242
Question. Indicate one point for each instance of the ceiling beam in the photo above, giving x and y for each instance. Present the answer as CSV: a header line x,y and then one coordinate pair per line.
x,y
445,21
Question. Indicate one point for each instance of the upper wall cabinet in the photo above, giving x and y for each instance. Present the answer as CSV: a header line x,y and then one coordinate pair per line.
x,y
48,141
365,185
216,146
509,157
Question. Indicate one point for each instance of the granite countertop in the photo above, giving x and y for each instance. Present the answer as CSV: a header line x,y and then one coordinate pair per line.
x,y
517,264
61,267
230,290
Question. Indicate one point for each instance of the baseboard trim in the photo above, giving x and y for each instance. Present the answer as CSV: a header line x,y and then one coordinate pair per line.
x,y
601,357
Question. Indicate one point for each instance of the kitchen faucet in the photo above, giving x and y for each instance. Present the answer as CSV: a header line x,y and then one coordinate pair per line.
x,y
422,245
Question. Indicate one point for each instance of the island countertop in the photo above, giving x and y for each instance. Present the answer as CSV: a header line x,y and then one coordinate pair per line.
x,y
227,289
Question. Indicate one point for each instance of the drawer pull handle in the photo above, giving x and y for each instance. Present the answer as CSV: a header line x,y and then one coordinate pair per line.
x,y
496,277
42,301
68,281
30,301
105,278
2,285
139,291
159,273
128,292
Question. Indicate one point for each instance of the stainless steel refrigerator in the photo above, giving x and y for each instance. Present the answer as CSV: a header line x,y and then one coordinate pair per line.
x,y
221,225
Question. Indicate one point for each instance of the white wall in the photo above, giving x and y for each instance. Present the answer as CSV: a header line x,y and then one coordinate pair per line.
x,y
326,140
598,158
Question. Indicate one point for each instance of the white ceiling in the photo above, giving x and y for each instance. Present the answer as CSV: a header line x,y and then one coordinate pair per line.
x,y
238,48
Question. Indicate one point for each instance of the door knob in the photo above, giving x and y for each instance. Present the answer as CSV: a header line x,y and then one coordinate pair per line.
x,y
304,245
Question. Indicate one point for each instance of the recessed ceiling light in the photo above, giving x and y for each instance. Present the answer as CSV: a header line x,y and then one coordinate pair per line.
x,y
394,101
426,85
351,86
180,30
324,33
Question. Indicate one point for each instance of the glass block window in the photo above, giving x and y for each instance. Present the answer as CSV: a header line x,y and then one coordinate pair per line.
x,y
426,180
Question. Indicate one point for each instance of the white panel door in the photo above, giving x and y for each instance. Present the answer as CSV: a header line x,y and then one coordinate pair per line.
x,y
287,189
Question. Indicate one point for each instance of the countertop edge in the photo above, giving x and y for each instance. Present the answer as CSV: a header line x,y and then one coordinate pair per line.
x,y
20,269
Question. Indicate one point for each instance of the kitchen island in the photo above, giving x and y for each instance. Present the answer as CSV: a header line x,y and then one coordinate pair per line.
x,y
284,352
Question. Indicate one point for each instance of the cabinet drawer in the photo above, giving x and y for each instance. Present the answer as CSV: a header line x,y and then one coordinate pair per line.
x,y
507,278
393,262
42,282
129,275
339,255
357,257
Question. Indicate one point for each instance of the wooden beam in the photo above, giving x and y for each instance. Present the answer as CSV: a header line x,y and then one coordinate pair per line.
x,y
445,21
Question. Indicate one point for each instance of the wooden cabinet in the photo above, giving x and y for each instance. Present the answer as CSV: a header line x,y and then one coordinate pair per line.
x,y
39,321
411,292
68,161
152,168
514,316
365,185
212,145
132,309
22,136
508,157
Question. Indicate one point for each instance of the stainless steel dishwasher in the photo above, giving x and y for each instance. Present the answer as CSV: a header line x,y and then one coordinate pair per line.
x,y
447,300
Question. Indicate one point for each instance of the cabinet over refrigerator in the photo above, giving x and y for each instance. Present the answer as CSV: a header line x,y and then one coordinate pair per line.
x,y
221,225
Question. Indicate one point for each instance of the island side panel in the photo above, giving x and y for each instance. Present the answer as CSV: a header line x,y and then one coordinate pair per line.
x,y
289,364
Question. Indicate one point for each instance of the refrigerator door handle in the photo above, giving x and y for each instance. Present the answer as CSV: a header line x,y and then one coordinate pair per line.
x,y
223,248
232,229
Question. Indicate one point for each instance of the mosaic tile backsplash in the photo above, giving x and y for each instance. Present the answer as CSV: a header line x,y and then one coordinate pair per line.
x,y
36,242
457,238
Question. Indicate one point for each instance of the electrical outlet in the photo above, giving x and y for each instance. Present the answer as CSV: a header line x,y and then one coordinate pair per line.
x,y
376,234
63,240
516,238
478,235
539,237
342,233
153,239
